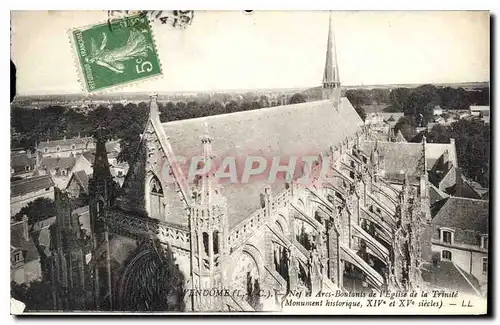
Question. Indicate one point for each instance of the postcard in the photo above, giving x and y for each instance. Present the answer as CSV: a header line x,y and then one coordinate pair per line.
x,y
242,162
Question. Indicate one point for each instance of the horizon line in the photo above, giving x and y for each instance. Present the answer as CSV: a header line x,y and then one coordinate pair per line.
x,y
243,90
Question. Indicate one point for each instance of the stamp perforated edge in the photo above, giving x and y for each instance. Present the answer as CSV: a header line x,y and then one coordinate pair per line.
x,y
110,89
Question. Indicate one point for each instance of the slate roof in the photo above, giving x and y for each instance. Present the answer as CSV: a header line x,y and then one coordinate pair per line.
x,y
404,156
90,156
65,144
54,163
469,218
19,161
18,240
300,129
396,158
435,194
82,179
31,184
447,275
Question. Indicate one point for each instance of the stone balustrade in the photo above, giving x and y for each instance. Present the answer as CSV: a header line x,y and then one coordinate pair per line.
x,y
247,227
175,235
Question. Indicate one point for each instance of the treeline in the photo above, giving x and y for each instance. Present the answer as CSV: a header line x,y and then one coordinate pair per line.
x,y
117,121
472,140
419,102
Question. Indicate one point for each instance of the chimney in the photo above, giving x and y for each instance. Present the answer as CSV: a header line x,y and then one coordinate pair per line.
x,y
458,182
446,157
25,227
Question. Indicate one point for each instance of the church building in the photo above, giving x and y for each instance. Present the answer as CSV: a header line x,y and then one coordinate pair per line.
x,y
165,243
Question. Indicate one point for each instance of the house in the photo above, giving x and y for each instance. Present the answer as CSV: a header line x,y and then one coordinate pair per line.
x,y
22,163
25,261
450,180
460,228
59,168
438,110
26,190
479,111
78,184
65,147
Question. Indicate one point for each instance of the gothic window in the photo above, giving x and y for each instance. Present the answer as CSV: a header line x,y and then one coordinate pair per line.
x,y
446,255
215,240
155,198
485,265
205,243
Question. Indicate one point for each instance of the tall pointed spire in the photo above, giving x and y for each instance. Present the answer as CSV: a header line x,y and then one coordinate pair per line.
x,y
331,80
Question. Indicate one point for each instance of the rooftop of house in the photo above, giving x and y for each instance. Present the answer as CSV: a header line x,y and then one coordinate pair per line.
x,y
479,108
19,241
19,161
29,185
463,213
435,194
64,142
304,129
400,157
397,158
81,178
446,274
57,163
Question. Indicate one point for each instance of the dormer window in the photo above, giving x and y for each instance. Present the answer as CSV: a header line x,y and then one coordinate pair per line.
x,y
447,236
73,147
58,148
484,241
46,150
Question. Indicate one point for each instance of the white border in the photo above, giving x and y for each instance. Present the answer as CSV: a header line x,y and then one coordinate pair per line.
x,y
206,5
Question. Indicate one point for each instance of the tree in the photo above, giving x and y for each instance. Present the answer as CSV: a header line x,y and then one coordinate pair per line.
x,y
37,210
472,140
232,106
297,98
361,112
398,99
405,125
37,296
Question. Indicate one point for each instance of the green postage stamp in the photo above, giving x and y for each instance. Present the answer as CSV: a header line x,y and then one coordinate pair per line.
x,y
116,53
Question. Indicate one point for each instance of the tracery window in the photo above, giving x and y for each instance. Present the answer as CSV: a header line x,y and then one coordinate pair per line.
x,y
155,198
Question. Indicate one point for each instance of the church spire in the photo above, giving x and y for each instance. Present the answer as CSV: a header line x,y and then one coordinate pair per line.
x,y
331,80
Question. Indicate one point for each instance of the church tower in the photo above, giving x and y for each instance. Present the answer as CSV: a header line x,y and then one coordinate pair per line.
x,y
331,80
209,234
69,272
101,196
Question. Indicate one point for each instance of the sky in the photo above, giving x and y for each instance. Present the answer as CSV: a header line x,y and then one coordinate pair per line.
x,y
225,50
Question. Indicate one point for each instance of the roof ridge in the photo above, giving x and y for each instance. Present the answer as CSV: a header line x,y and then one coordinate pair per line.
x,y
264,109
20,181
467,198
